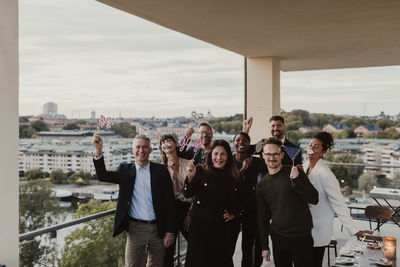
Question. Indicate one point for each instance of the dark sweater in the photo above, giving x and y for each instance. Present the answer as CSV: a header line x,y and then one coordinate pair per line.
x,y
285,203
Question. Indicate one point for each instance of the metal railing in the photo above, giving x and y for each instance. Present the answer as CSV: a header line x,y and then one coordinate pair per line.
x,y
52,230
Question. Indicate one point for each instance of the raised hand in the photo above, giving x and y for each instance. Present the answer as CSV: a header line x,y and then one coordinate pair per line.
x,y
247,125
294,173
191,170
188,132
97,144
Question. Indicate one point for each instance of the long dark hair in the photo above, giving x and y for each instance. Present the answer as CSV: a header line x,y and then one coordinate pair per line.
x,y
164,137
326,140
230,163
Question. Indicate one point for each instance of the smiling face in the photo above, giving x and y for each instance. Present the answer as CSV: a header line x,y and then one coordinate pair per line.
x,y
205,135
168,146
241,143
277,129
273,156
219,157
141,149
314,150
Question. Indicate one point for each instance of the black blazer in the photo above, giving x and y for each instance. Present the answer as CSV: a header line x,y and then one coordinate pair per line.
x,y
161,191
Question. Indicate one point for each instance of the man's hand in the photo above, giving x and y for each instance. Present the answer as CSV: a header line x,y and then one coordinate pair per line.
x,y
189,132
169,239
186,223
97,144
294,173
191,170
266,255
247,125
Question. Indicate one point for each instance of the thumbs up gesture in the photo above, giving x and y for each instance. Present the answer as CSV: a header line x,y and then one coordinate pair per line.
x,y
294,173
191,170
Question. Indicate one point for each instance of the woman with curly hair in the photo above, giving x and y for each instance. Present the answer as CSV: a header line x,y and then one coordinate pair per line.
x,y
331,200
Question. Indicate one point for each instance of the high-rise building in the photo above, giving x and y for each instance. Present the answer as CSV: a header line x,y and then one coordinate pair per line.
x,y
93,115
50,109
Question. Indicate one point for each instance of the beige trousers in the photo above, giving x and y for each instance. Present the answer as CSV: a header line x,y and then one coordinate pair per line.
x,y
143,245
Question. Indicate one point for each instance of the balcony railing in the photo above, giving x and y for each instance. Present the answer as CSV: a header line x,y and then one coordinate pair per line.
x,y
52,230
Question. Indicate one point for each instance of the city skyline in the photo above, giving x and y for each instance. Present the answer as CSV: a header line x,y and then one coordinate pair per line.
x,y
84,55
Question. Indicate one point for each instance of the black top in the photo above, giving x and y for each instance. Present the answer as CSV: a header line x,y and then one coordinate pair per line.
x,y
250,177
215,192
285,202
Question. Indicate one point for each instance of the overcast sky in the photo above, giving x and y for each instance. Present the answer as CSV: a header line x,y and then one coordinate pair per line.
x,y
84,55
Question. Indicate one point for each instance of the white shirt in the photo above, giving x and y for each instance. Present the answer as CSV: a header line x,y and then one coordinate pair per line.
x,y
142,201
331,201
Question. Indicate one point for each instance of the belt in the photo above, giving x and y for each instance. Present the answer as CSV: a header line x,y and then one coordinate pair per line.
x,y
143,221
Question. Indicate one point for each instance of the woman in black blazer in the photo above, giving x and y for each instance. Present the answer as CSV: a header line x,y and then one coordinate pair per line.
x,y
216,201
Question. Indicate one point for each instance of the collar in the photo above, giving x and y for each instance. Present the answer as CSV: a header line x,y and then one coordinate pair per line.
x,y
145,168
283,140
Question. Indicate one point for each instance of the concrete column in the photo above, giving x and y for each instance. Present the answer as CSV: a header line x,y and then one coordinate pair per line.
x,y
9,132
262,95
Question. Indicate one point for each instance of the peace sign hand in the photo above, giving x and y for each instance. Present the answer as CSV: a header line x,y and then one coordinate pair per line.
x,y
191,170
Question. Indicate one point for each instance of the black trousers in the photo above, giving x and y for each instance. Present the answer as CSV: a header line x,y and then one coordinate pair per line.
x,y
297,250
208,244
318,256
233,233
251,248
182,209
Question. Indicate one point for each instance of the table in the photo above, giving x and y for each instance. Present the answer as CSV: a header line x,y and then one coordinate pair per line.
x,y
385,194
364,259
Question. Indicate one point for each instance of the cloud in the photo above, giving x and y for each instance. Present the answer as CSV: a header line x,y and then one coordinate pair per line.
x,y
84,55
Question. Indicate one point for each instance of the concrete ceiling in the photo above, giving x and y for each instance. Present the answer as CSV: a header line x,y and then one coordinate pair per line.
x,y
305,35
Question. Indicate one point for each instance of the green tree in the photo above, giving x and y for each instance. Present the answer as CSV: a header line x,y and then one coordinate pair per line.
x,y
367,181
383,123
40,125
26,131
81,174
293,136
72,126
93,244
396,180
349,174
58,176
34,174
124,129
38,208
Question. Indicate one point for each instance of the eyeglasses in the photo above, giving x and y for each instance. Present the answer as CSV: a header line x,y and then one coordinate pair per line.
x,y
205,132
269,155
166,145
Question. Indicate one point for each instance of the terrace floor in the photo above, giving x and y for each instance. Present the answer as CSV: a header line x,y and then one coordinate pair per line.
x,y
389,229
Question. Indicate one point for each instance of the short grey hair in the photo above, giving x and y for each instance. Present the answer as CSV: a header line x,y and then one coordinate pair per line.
x,y
143,137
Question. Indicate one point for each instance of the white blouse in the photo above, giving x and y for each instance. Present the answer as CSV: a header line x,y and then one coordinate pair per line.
x,y
331,201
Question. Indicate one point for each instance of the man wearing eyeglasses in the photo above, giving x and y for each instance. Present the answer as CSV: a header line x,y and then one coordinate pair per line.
x,y
190,152
283,196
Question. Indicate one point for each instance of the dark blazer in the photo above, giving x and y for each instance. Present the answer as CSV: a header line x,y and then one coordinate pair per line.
x,y
161,191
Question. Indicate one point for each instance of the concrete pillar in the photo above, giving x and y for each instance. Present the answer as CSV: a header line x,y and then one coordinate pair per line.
x,y
262,94
9,133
